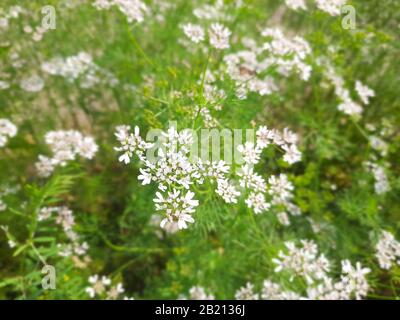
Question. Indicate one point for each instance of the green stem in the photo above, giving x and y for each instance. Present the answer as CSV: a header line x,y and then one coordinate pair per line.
x,y
128,249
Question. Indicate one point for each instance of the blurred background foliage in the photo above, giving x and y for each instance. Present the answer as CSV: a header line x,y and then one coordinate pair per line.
x,y
228,245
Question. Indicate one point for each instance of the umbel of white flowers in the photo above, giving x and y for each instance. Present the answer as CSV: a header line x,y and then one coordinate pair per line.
x,y
176,174
305,262
7,130
65,146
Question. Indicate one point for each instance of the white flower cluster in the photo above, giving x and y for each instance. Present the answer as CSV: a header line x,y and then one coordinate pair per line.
x,y
7,130
172,170
155,221
217,11
296,4
65,218
387,250
286,140
13,13
33,83
246,293
101,287
218,34
194,32
381,184
131,143
4,85
65,146
197,293
134,10
5,191
306,262
279,187
227,191
10,239
364,92
281,47
348,105
331,7
175,173
82,67
208,120
246,67
3,205
379,145
303,261
16,12
177,208
37,32
273,291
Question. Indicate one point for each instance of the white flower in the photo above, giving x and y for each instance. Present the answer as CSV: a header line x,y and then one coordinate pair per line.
x,y
289,136
65,145
227,191
273,291
331,7
45,166
114,292
4,85
11,244
65,218
379,145
283,218
303,261
198,293
354,279
381,179
194,32
292,154
177,208
219,36
364,92
7,130
257,202
3,205
246,293
130,143
82,67
350,108
80,249
296,4
212,170
102,4
86,147
264,137
250,152
32,84
45,213
98,285
387,250
134,10
280,189
250,179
